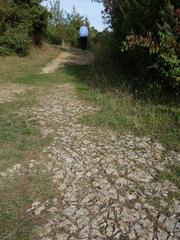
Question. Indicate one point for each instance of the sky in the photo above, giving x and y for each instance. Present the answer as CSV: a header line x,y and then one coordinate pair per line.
x,y
87,8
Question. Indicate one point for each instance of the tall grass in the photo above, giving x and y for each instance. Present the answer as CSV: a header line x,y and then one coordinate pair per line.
x,y
126,109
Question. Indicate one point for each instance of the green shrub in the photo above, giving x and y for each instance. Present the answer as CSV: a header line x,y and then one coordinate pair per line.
x,y
21,22
72,35
146,39
4,51
53,35
17,40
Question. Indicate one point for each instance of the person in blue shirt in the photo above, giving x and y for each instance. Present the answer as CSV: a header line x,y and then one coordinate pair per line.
x,y
83,34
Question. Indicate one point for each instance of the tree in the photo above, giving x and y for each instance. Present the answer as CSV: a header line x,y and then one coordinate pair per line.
x,y
57,14
22,22
74,22
148,31
64,27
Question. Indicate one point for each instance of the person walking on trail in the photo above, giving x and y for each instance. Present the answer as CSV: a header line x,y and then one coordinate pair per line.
x,y
83,34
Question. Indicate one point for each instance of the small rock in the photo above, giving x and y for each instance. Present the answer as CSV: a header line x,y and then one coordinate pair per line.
x,y
140,176
131,197
2,174
109,231
53,210
35,204
61,236
39,210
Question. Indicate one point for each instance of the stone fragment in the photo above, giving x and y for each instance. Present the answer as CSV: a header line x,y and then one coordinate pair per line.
x,y
35,204
131,197
61,236
85,162
84,233
69,211
162,234
140,176
39,210
129,215
52,210
109,230
3,174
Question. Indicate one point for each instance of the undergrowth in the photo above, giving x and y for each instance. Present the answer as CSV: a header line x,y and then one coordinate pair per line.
x,y
126,109
171,173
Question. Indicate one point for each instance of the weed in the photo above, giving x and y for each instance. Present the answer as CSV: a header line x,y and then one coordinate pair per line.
x,y
16,196
171,173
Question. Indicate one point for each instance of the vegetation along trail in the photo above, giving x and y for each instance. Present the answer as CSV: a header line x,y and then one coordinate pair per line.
x,y
70,180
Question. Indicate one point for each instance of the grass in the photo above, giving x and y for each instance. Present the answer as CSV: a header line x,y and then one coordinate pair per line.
x,y
20,142
45,79
16,196
126,112
122,110
14,67
119,108
17,134
171,173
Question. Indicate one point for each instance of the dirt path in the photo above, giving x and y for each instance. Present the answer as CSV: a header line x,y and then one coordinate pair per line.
x,y
9,91
74,56
105,186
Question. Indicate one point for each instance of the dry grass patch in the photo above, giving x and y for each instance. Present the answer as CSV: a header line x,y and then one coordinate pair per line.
x,y
13,67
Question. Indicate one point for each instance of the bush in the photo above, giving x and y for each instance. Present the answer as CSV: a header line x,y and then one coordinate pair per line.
x,y
4,51
16,40
21,22
53,35
72,36
146,36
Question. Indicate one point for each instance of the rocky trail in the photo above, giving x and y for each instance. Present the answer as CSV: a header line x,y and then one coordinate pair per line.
x,y
104,184
74,56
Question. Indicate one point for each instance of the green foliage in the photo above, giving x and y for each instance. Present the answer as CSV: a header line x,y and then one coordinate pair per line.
x,y
147,30
171,173
53,35
64,27
16,39
57,14
22,22
126,111
168,63
4,51
74,22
